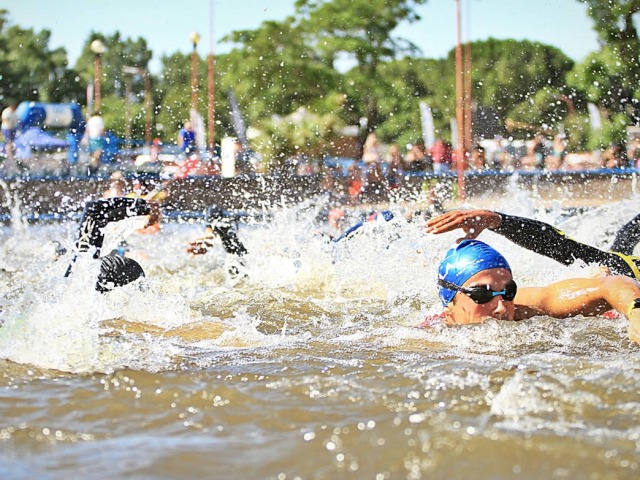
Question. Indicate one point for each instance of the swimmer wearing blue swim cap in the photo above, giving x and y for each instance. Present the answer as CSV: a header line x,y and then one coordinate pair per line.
x,y
481,279
476,284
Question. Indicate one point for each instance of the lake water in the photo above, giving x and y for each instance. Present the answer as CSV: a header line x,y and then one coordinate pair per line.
x,y
308,367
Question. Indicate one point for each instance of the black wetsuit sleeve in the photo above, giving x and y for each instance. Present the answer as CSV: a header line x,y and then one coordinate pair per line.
x,y
223,224
547,240
97,214
230,241
628,237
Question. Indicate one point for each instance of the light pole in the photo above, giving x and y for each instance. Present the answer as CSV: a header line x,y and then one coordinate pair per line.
x,y
211,79
195,38
463,110
98,48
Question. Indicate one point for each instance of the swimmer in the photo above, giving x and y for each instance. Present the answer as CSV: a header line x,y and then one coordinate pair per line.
x,y
222,224
545,239
115,270
475,284
384,216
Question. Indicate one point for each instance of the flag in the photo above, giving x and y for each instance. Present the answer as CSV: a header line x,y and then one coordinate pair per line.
x,y
594,117
238,121
428,134
198,126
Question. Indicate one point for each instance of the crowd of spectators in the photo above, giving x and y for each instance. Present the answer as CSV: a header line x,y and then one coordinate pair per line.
x,y
383,168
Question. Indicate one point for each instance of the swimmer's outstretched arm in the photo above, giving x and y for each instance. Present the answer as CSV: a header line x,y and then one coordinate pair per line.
x,y
533,235
627,237
583,296
97,214
224,228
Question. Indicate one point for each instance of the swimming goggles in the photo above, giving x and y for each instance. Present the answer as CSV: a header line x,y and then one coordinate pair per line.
x,y
482,293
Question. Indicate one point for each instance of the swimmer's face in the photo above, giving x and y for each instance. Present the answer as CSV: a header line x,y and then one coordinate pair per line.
x,y
462,310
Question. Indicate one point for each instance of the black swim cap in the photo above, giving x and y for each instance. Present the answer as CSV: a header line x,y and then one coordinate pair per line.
x,y
116,271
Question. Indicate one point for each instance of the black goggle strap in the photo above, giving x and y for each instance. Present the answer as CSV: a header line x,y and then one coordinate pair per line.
x,y
482,294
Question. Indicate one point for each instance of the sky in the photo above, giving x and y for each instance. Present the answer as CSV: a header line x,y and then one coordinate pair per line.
x,y
167,24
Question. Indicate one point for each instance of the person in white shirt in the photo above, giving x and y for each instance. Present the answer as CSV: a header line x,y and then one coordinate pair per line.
x,y
95,133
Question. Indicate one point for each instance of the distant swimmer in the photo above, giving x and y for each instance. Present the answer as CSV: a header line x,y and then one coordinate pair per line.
x,y
545,239
382,216
221,224
475,284
115,270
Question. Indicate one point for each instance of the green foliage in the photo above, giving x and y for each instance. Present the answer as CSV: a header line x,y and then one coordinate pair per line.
x,y
290,81
612,131
361,30
29,70
273,72
611,76
118,54
300,132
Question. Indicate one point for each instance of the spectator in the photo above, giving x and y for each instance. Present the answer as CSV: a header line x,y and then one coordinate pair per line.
x,y
187,139
419,160
633,152
396,167
9,127
536,154
442,156
96,136
556,159
117,186
371,150
478,158
613,157
354,182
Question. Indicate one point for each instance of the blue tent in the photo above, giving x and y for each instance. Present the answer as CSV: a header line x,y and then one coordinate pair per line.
x,y
37,139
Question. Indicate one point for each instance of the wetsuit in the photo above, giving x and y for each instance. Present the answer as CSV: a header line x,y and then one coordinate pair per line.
x,y
385,215
547,240
628,237
224,225
115,270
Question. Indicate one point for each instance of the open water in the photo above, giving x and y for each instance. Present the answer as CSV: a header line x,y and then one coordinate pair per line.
x,y
308,367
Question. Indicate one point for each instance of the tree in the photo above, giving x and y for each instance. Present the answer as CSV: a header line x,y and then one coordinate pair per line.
x,y
118,54
30,70
361,29
617,65
273,71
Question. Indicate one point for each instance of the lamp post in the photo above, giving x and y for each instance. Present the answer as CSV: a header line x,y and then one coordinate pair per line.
x,y
98,48
463,110
147,99
195,38
211,79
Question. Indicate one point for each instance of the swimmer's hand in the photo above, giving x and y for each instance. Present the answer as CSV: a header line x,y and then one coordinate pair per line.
x,y
634,325
473,222
199,247
155,214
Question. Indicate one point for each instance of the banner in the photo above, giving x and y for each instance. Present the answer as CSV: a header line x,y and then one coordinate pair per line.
x,y
428,134
594,117
454,133
238,122
198,126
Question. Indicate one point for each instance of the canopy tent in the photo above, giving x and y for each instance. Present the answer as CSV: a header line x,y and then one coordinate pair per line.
x,y
37,139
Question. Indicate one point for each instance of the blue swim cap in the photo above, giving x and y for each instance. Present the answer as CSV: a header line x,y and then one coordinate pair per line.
x,y
465,260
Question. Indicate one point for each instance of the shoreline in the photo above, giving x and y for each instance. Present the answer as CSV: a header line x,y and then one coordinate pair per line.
x,y
59,197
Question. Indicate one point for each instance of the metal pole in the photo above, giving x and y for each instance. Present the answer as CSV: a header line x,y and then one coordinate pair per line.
x,y
194,77
147,106
460,156
468,116
212,87
97,83
127,104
